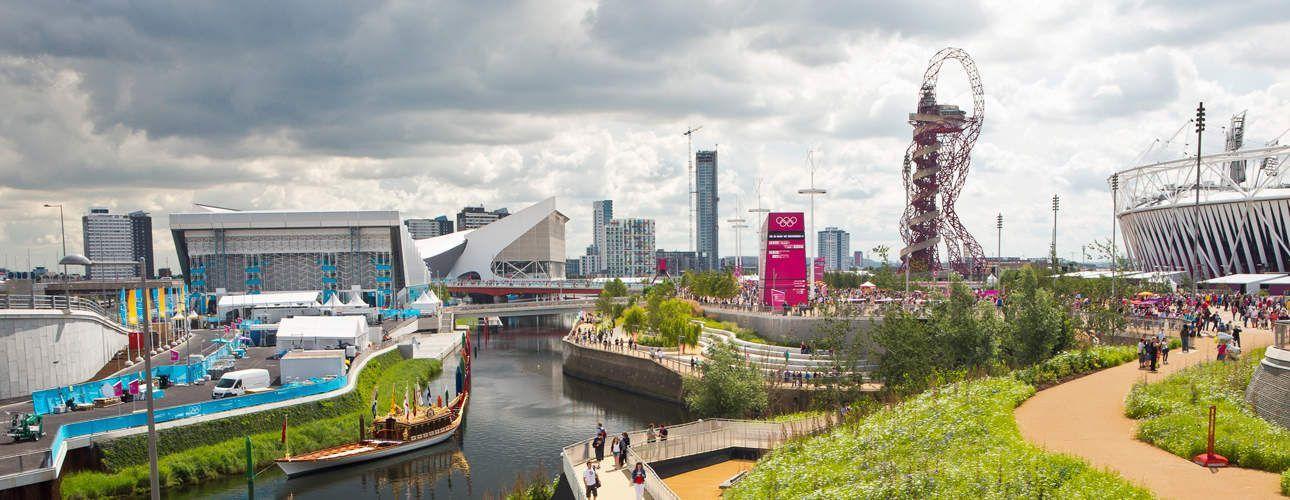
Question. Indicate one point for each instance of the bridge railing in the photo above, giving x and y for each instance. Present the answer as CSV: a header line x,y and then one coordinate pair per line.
x,y
60,302
536,304
693,438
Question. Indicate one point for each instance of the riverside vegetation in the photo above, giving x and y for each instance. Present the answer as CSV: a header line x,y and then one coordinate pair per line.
x,y
956,441
195,453
1173,415
952,434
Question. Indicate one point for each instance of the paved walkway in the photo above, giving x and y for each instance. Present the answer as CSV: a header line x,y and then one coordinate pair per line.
x,y
1085,417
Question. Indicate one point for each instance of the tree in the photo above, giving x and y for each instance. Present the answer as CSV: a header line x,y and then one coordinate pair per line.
x,y
881,251
607,306
633,320
850,354
1038,325
616,288
957,334
728,387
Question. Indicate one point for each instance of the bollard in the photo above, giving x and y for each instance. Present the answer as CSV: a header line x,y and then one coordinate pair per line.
x,y
1209,458
250,471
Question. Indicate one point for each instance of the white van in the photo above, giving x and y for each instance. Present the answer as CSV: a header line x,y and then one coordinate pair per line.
x,y
240,382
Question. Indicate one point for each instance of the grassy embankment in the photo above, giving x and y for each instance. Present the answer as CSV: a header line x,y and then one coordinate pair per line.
x,y
195,453
744,334
1173,415
956,441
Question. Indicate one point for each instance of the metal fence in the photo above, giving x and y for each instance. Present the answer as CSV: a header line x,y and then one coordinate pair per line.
x,y
694,438
59,302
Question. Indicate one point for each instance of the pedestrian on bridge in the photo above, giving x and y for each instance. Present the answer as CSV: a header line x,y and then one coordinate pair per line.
x,y
638,480
591,479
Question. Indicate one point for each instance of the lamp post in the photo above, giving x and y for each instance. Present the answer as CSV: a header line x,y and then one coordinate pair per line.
x,y
811,191
1056,202
62,232
76,259
1115,204
737,223
1200,128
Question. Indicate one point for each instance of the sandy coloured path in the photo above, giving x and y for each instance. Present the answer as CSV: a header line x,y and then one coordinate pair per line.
x,y
1085,417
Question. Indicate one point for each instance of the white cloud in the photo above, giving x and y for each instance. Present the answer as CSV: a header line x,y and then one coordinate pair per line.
x,y
426,108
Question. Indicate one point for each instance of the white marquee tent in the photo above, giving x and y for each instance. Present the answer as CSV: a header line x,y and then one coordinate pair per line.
x,y
322,332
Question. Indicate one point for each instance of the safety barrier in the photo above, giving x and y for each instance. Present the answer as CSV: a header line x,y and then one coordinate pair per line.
x,y
12,301
45,401
694,438
139,419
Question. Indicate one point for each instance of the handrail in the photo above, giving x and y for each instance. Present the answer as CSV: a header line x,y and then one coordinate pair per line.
x,y
63,302
692,438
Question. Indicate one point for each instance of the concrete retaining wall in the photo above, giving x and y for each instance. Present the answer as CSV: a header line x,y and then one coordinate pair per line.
x,y
787,329
42,349
629,373
1269,390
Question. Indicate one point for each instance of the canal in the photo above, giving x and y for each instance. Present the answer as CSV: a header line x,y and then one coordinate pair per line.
x,y
522,412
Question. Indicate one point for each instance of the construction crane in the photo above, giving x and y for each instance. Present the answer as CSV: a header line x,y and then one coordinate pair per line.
x,y
690,178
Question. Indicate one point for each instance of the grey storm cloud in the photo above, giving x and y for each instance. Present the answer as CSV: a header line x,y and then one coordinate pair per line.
x,y
426,106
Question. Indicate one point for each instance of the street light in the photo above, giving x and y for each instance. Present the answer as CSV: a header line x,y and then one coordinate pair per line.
x,y
1056,202
1115,203
1200,129
81,260
62,229
811,191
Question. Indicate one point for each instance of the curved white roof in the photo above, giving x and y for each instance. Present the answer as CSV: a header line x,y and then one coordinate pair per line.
x,y
483,244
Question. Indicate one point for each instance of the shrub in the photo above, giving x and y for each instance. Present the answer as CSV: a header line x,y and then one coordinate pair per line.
x,y
729,386
1074,363
1174,415
958,441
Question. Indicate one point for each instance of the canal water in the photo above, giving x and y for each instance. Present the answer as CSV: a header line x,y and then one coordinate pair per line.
x,y
523,410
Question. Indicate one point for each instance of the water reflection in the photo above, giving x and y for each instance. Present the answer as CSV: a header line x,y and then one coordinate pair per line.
x,y
522,411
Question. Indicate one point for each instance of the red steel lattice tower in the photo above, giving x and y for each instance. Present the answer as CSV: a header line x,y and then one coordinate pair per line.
x,y
940,155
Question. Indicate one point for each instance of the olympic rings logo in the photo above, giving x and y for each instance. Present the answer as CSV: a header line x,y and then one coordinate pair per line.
x,y
786,221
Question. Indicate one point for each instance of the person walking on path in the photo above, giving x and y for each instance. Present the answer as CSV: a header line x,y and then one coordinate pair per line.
x,y
591,480
617,449
662,433
638,480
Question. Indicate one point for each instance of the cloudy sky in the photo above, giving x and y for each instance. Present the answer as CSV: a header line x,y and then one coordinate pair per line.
x,y
428,106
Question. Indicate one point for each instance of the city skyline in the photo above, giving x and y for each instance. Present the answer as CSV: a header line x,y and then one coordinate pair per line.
x,y
1062,118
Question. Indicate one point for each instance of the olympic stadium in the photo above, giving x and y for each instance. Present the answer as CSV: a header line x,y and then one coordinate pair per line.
x,y
1236,219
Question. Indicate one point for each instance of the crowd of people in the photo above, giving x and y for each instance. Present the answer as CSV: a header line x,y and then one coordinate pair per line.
x,y
618,445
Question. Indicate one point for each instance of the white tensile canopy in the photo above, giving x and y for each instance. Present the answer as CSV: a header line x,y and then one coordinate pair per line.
x,y
428,303
322,332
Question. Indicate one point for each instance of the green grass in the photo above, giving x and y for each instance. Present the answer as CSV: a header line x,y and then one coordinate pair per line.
x,y
744,334
789,417
959,441
1075,362
195,453
1174,416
